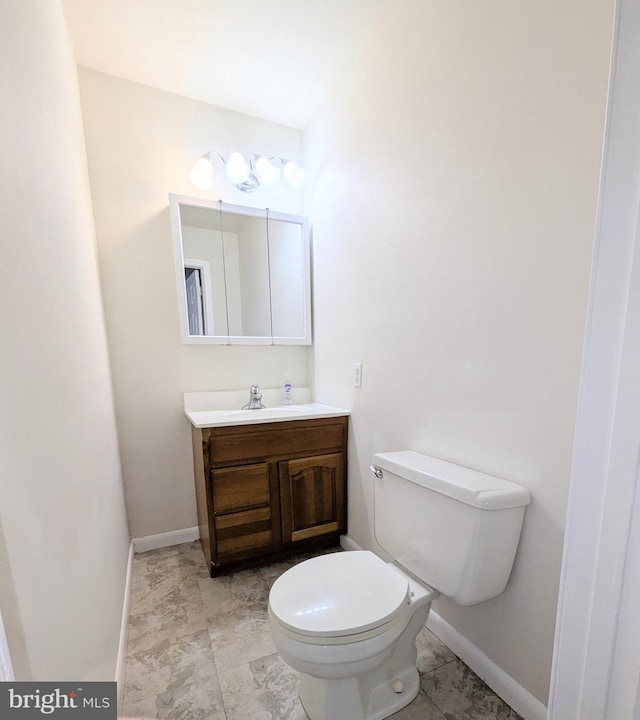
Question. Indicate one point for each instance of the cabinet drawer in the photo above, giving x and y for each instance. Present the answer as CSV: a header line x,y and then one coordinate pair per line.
x,y
238,532
277,439
240,488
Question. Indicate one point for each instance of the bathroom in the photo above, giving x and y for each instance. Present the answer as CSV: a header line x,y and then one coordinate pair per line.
x,y
453,167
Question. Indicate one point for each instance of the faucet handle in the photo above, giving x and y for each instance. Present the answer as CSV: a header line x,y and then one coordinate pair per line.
x,y
255,399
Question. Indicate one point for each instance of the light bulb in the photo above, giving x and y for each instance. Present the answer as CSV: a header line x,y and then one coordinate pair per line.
x,y
298,178
270,175
266,171
294,174
289,168
238,169
201,174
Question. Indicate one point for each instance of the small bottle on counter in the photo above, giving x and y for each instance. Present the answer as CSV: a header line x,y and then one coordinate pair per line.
x,y
287,391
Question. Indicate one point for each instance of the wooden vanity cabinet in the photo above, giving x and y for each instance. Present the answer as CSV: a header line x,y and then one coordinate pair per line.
x,y
269,490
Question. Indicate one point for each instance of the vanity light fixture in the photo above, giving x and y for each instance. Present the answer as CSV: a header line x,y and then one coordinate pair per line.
x,y
247,174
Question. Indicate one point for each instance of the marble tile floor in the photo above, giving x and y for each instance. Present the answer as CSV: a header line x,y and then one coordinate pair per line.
x,y
200,648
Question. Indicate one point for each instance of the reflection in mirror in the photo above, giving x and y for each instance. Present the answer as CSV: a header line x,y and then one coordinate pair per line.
x,y
197,281
248,277
202,249
235,249
243,274
286,263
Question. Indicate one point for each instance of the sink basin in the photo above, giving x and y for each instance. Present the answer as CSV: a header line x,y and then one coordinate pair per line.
x,y
221,418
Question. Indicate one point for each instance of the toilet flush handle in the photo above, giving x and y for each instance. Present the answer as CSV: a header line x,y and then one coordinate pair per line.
x,y
377,471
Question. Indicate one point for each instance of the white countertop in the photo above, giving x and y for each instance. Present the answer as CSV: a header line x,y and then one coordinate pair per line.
x,y
224,418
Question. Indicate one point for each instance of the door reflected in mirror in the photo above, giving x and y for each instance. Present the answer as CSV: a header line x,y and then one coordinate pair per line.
x,y
242,274
197,281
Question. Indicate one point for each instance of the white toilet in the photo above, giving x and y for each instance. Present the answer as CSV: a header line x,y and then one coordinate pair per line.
x,y
348,621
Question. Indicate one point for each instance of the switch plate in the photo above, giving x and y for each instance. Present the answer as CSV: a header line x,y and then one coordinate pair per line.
x,y
357,374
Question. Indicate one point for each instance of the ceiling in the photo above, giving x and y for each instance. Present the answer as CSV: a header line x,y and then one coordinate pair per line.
x,y
274,59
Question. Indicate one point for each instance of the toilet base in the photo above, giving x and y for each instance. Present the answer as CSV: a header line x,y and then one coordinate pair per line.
x,y
370,695
324,699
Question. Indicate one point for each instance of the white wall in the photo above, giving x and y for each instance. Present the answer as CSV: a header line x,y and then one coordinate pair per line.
x,y
455,168
140,145
63,529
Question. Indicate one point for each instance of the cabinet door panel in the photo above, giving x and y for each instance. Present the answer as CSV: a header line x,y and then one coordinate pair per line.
x,y
240,488
312,491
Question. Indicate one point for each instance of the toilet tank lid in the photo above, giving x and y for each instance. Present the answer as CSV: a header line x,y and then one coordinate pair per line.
x,y
461,483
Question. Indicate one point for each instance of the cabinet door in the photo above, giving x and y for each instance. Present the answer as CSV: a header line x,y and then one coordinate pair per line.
x,y
312,491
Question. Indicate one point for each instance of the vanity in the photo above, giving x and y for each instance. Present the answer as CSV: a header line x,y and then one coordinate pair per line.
x,y
269,483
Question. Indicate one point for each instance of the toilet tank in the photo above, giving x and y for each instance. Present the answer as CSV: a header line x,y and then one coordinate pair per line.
x,y
454,528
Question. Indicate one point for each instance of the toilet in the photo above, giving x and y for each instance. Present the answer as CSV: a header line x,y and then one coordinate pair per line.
x,y
347,622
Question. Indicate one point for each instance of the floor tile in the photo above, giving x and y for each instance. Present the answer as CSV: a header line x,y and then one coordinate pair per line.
x,y
197,698
431,652
165,603
156,669
272,572
158,555
461,695
243,635
192,699
264,689
235,609
199,560
228,593
420,709
143,708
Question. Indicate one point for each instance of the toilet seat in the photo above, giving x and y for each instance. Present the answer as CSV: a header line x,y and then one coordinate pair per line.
x,y
339,598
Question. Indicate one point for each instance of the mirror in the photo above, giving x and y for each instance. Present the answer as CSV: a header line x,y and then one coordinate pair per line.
x,y
242,274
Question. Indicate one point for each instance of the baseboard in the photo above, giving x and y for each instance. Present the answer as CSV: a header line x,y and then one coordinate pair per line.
x,y
521,700
124,630
165,539
348,544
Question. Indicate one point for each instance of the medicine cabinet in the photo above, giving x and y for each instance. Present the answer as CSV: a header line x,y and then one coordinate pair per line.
x,y
242,274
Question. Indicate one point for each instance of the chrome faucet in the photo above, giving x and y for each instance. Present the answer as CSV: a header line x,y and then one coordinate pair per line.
x,y
255,399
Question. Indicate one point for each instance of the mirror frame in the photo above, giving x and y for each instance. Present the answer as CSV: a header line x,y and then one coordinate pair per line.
x,y
175,202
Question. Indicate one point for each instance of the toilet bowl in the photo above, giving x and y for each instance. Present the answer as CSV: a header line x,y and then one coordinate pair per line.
x,y
347,622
